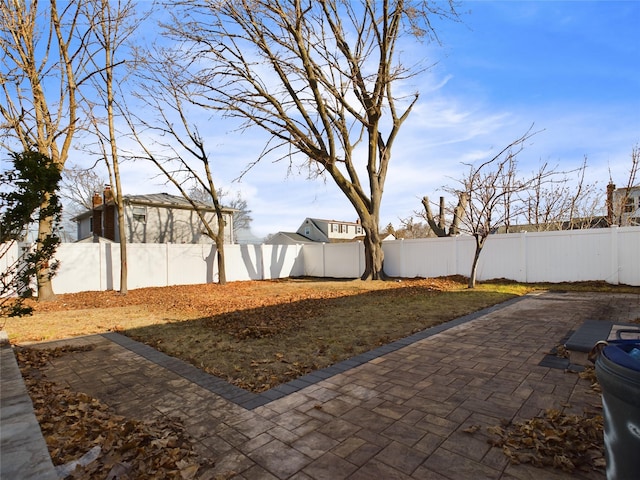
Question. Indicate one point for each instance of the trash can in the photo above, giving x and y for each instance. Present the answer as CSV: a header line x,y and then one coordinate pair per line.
x,y
618,371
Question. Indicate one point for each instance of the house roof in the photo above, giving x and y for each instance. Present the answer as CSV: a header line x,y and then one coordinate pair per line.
x,y
168,200
165,200
295,237
324,220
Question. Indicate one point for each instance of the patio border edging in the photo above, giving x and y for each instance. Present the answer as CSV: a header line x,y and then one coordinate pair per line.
x,y
250,400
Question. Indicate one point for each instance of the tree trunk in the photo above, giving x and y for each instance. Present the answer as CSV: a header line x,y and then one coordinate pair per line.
x,y
222,271
124,271
436,227
474,264
124,287
373,255
43,273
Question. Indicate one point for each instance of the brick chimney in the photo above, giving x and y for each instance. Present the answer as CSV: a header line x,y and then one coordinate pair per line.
x,y
610,216
96,219
107,194
109,215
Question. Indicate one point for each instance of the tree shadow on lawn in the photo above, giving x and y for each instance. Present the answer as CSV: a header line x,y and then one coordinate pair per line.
x,y
259,348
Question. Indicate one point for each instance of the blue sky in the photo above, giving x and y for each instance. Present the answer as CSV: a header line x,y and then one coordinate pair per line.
x,y
571,68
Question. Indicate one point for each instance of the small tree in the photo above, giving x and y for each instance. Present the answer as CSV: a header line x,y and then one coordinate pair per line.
x,y
110,24
489,195
179,151
23,191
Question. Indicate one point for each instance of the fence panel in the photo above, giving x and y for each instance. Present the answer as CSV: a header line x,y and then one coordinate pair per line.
x,y
281,261
501,257
627,255
243,262
80,267
313,259
571,256
344,260
147,265
420,257
8,255
610,255
9,260
189,264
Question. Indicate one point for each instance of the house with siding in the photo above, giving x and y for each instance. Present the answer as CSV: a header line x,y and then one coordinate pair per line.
x,y
152,218
623,205
323,231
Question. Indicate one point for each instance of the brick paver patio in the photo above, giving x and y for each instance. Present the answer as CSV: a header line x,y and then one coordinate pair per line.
x,y
399,415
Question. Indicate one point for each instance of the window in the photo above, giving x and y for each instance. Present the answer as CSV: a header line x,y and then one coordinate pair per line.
x,y
334,227
91,224
307,231
629,205
358,230
140,214
343,228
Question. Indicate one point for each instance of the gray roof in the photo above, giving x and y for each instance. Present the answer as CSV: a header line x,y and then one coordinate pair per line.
x,y
295,237
159,200
168,200
324,220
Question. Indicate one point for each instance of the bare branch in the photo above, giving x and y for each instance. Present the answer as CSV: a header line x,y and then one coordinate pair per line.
x,y
317,77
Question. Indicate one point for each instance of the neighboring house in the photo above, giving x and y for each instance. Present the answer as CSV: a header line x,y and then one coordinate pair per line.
x,y
319,230
153,218
287,238
325,231
623,205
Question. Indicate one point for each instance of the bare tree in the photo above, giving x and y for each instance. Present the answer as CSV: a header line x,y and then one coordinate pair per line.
x,y
111,24
318,78
490,191
410,228
438,225
241,214
560,200
76,190
546,204
41,45
78,186
162,91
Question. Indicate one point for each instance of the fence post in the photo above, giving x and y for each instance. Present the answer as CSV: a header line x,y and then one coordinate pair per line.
x,y
615,257
166,265
523,258
455,256
324,259
401,256
100,265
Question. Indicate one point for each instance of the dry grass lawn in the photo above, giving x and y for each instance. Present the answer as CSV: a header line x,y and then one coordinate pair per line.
x,y
259,334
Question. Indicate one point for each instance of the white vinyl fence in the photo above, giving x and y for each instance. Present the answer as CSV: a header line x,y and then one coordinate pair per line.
x,y
607,254
611,255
